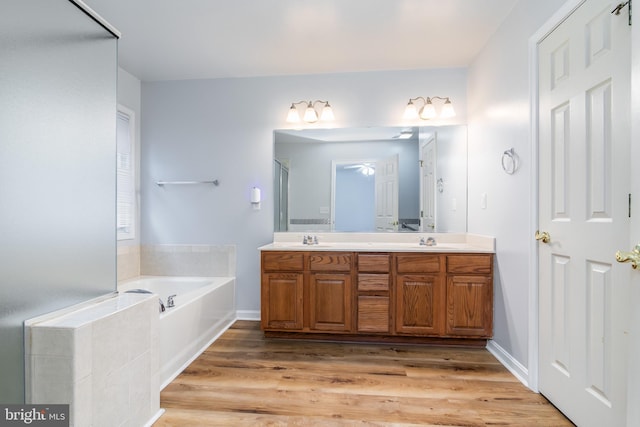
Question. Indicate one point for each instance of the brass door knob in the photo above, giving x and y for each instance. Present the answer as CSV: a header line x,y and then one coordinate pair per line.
x,y
633,257
543,237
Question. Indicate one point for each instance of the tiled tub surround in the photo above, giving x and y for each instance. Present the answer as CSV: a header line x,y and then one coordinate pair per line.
x,y
128,261
204,309
175,260
101,357
188,260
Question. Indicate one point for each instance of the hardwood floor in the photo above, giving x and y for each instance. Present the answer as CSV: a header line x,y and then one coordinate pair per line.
x,y
244,379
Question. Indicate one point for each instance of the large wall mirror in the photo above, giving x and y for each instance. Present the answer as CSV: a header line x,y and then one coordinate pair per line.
x,y
375,179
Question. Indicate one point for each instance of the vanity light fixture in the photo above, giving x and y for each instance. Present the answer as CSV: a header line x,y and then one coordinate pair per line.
x,y
428,110
310,113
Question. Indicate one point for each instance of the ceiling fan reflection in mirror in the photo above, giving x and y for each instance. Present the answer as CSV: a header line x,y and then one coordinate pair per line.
x,y
367,169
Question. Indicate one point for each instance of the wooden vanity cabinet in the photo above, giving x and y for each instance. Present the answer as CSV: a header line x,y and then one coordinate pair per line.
x,y
373,293
282,290
469,296
330,291
379,296
420,294
307,291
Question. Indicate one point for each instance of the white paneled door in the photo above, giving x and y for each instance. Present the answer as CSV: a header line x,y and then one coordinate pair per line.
x,y
584,149
428,184
387,184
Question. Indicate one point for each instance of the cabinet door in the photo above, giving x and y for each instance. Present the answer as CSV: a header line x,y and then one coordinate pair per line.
x,y
469,306
281,302
373,313
419,304
330,302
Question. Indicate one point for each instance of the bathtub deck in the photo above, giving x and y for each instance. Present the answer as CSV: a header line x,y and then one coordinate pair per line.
x,y
244,379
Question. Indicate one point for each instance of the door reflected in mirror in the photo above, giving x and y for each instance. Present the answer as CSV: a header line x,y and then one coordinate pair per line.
x,y
376,179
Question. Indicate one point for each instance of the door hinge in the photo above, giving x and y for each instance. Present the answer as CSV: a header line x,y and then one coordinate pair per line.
x,y
619,7
629,205
421,163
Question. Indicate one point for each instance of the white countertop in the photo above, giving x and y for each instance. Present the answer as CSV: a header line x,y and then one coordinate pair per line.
x,y
382,242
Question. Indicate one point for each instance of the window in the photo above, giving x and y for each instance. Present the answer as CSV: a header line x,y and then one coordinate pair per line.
x,y
126,172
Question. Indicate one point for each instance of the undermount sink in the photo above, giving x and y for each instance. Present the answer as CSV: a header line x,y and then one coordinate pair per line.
x,y
301,245
368,246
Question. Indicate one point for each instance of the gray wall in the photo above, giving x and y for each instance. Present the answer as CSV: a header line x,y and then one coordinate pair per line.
x,y
223,129
451,204
498,120
57,168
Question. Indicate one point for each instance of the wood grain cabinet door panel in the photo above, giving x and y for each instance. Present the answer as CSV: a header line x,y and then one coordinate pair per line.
x,y
373,314
420,301
330,297
282,301
469,306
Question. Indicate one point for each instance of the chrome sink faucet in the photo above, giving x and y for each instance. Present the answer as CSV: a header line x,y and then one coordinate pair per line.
x,y
430,241
310,240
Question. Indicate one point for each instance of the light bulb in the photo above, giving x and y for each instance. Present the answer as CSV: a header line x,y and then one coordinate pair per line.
x,y
368,171
293,116
428,111
327,113
447,110
410,112
310,115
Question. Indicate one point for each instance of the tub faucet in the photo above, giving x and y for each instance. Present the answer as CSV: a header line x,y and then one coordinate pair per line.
x,y
170,302
162,307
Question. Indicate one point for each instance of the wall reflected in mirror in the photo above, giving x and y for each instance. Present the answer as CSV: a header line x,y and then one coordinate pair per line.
x,y
375,179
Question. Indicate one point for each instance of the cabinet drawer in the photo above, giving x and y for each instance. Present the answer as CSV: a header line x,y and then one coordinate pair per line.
x,y
473,264
373,282
330,261
369,263
282,261
417,263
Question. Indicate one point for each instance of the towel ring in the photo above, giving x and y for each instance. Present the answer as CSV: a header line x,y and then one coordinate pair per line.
x,y
509,161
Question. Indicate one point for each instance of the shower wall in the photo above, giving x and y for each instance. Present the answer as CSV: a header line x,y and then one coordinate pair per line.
x,y
58,71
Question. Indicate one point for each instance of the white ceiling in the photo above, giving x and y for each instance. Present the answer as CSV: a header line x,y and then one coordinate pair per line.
x,y
189,39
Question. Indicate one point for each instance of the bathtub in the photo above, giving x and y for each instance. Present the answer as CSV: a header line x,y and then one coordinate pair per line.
x,y
204,309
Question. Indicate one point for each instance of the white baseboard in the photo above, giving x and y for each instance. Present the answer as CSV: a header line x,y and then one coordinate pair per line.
x,y
155,418
509,362
248,314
